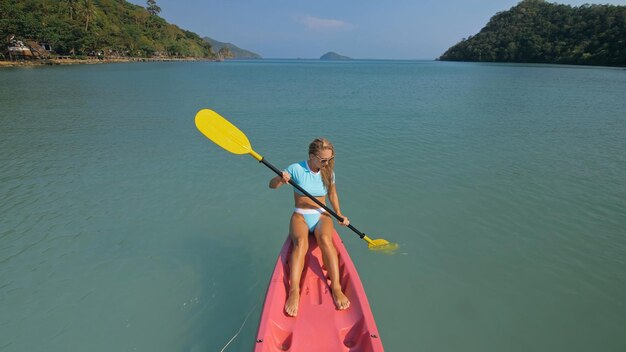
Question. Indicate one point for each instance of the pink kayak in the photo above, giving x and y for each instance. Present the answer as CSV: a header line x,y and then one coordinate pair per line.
x,y
319,326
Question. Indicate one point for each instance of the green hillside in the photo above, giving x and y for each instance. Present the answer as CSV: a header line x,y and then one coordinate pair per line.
x,y
231,50
108,27
536,31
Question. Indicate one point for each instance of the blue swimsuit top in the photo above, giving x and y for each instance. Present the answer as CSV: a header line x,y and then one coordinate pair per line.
x,y
307,179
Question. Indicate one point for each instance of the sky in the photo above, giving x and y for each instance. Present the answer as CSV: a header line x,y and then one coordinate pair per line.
x,y
360,29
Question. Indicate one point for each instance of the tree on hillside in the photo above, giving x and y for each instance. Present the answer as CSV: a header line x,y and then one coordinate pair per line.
x,y
88,11
225,53
71,6
152,7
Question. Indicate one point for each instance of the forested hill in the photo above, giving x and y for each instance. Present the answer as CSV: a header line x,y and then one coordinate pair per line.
x,y
536,31
228,50
83,27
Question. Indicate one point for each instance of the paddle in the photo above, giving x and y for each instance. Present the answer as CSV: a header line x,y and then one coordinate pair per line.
x,y
229,137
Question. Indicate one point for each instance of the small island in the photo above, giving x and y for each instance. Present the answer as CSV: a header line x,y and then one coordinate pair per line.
x,y
535,31
331,55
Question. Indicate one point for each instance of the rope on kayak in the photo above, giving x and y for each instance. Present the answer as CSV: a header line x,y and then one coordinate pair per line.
x,y
244,323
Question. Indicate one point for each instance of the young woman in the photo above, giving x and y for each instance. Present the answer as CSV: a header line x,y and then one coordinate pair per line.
x,y
317,177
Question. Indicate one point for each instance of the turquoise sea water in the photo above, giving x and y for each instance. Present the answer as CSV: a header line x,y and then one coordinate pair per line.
x,y
123,229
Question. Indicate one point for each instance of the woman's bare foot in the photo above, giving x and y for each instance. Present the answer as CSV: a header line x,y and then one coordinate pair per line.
x,y
291,306
341,301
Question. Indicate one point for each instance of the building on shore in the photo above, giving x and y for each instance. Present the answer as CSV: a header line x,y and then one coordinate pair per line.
x,y
26,49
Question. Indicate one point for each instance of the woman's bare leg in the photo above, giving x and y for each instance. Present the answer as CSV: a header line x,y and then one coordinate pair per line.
x,y
324,236
299,233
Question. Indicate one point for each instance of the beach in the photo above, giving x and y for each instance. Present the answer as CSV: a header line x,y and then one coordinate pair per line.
x,y
91,61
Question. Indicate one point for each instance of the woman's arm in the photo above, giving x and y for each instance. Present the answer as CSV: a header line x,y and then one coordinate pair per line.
x,y
280,180
334,201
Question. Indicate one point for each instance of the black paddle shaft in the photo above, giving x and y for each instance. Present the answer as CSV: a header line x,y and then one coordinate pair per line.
x,y
280,173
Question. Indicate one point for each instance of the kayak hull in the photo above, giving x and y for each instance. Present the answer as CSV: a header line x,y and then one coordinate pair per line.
x,y
319,325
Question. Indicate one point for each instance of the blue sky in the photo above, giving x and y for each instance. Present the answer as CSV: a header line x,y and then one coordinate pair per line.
x,y
362,29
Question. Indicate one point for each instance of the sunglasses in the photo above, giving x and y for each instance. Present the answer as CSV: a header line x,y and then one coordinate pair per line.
x,y
324,161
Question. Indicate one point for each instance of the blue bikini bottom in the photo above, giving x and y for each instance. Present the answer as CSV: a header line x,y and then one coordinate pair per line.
x,y
311,216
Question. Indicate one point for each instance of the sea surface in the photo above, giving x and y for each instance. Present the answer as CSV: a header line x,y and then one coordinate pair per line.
x,y
122,228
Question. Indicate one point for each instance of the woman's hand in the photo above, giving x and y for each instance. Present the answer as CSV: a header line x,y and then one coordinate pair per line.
x,y
286,177
345,221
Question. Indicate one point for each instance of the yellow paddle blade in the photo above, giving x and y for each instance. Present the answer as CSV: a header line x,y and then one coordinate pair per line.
x,y
381,245
223,133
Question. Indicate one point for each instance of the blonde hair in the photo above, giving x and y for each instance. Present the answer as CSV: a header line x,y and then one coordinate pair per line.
x,y
315,147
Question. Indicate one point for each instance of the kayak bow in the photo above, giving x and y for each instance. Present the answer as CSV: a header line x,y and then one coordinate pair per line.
x,y
319,326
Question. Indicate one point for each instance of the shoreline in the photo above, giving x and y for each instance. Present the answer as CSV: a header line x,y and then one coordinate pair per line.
x,y
91,61
58,62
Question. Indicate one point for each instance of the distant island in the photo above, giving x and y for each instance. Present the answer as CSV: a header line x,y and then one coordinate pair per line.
x,y
230,51
57,32
331,55
535,31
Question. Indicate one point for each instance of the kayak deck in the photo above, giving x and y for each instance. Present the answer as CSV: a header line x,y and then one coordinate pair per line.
x,y
319,325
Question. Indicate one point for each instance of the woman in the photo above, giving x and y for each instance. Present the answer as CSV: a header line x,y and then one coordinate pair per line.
x,y
317,177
